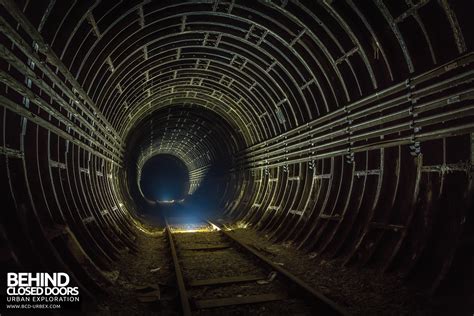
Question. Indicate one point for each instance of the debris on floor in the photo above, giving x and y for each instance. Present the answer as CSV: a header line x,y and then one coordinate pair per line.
x,y
360,291
270,278
143,280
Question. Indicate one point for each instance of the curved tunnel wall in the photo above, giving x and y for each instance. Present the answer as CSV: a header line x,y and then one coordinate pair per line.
x,y
200,138
351,124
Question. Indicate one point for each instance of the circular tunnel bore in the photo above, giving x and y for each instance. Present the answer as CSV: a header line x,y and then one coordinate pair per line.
x,y
164,178
338,127
197,139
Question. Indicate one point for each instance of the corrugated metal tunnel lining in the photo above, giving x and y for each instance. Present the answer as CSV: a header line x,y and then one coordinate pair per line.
x,y
346,128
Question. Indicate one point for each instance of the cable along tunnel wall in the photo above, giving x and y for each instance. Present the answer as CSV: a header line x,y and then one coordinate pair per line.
x,y
351,124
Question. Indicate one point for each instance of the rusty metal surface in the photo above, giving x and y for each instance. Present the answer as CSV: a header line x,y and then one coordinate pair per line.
x,y
322,303
346,127
183,294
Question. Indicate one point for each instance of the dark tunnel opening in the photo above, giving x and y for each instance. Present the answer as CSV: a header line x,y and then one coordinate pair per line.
x,y
164,179
334,138
203,141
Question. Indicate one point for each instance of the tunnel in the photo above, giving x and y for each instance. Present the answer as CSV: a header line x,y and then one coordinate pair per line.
x,y
335,138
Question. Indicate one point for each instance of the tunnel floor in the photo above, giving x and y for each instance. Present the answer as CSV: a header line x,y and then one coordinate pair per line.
x,y
145,280
330,143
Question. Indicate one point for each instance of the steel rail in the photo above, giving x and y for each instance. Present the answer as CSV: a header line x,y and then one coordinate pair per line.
x,y
326,306
320,301
183,294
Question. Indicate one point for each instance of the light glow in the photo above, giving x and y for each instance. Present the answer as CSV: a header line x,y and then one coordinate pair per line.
x,y
195,228
215,227
166,201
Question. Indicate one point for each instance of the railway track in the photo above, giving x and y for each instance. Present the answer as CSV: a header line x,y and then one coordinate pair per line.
x,y
217,274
